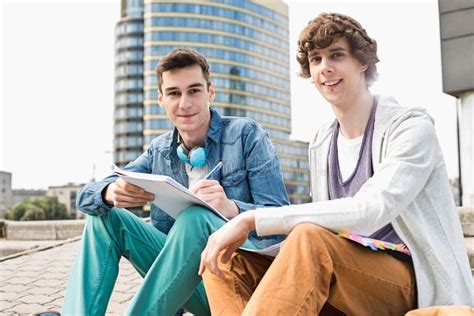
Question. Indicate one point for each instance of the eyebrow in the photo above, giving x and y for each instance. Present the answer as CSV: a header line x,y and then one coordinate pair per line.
x,y
331,50
337,49
194,85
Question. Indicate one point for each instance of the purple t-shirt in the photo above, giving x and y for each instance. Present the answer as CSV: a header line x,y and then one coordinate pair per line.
x,y
363,171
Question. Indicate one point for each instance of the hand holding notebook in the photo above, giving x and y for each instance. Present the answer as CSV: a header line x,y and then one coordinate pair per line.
x,y
170,196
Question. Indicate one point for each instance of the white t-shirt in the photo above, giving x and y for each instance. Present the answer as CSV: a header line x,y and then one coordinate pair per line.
x,y
348,154
196,174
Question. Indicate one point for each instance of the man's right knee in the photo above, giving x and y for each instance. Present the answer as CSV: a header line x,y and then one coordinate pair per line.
x,y
116,212
114,216
308,230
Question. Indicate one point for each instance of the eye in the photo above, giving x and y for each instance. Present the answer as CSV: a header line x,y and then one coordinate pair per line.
x,y
174,93
315,60
194,91
336,55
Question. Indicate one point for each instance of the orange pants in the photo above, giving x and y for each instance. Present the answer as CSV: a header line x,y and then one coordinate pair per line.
x,y
315,273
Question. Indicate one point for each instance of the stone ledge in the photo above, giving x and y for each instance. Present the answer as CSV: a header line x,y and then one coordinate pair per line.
x,y
43,230
65,229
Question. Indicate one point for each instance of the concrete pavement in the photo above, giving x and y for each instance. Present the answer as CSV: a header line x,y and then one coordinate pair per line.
x,y
36,281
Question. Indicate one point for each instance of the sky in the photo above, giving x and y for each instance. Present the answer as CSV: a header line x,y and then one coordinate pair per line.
x,y
57,72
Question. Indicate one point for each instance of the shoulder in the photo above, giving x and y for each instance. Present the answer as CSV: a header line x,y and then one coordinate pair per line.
x,y
411,119
240,127
390,114
162,142
415,124
408,128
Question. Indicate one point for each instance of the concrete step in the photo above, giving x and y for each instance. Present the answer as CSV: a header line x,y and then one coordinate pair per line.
x,y
470,251
466,215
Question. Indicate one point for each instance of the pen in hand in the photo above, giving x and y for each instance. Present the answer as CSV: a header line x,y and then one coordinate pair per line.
x,y
215,169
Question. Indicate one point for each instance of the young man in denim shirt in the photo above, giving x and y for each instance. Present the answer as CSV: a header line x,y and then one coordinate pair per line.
x,y
167,253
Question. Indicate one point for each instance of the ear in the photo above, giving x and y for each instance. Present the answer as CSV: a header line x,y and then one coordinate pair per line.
x,y
364,67
212,92
160,98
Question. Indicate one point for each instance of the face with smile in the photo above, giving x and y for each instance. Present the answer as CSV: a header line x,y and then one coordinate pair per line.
x,y
336,73
185,98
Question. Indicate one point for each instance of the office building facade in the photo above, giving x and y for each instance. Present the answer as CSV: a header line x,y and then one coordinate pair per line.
x,y
246,44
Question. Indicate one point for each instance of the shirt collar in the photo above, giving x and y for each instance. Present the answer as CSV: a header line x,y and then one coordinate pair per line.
x,y
213,133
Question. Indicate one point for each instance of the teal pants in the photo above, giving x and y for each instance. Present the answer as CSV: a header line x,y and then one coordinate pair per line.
x,y
168,263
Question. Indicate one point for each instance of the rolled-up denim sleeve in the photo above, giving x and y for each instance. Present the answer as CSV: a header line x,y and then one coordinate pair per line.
x,y
90,201
263,171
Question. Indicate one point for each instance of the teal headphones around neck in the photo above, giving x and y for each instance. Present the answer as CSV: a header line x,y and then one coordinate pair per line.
x,y
196,157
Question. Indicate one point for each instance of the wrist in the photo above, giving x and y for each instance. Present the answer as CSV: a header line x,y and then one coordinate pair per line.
x,y
105,196
249,219
233,207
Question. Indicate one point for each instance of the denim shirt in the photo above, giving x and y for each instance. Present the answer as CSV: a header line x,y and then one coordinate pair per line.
x,y
250,174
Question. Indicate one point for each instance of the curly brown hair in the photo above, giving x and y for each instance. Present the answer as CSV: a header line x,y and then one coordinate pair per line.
x,y
180,58
328,27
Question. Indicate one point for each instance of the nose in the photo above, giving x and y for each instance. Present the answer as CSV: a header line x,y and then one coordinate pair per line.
x,y
326,66
185,102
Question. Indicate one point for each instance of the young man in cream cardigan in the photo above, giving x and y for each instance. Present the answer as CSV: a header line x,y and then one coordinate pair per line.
x,y
378,182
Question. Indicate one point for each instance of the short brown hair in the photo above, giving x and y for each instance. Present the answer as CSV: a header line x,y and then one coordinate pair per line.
x,y
328,27
181,58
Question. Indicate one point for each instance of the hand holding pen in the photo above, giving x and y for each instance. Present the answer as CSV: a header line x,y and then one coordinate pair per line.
x,y
213,193
214,170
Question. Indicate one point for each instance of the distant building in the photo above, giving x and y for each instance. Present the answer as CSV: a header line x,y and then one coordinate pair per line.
x,y
66,195
23,194
457,49
247,46
6,194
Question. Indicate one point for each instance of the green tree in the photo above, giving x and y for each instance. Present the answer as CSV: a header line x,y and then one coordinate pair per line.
x,y
17,212
34,213
52,208
43,208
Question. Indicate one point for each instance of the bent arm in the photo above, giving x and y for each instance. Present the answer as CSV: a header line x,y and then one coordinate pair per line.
x,y
412,153
263,172
90,199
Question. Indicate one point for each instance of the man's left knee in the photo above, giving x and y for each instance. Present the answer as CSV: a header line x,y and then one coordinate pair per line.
x,y
195,216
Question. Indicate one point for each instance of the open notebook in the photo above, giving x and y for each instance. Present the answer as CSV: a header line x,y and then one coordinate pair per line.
x,y
172,197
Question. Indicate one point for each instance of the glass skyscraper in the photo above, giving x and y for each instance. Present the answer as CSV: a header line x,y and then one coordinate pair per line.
x,y
246,45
